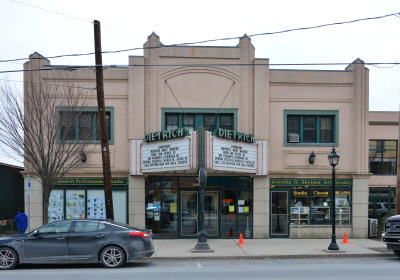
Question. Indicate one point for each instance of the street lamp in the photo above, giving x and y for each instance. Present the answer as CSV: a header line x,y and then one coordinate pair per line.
x,y
333,158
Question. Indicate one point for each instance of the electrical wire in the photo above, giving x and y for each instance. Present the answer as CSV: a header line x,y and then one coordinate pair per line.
x,y
52,85
212,40
46,10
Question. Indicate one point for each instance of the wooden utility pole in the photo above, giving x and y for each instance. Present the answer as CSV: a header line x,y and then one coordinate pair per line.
x,y
105,154
398,172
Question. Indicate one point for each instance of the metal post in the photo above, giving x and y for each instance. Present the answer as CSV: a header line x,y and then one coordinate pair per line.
x,y
202,235
333,245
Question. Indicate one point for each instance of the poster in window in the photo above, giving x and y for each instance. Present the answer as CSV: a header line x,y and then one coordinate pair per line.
x,y
56,205
75,204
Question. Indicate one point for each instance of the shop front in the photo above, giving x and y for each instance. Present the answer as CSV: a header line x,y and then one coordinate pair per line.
x,y
299,205
173,206
79,198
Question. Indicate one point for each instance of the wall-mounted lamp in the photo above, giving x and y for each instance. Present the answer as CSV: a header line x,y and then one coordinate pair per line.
x,y
311,158
83,156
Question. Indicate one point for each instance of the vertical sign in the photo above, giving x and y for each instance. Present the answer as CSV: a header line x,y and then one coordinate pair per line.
x,y
28,193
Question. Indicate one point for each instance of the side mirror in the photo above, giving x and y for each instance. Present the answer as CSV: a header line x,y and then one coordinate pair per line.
x,y
35,233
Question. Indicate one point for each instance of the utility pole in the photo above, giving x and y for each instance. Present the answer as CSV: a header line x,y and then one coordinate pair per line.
x,y
398,171
105,154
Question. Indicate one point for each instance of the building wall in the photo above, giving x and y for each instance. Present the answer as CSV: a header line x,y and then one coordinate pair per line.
x,y
231,77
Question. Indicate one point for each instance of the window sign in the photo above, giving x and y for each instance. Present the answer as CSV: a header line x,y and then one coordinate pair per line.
x,y
96,208
75,204
56,205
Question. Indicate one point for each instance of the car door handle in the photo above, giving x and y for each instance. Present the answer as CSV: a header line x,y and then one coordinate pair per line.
x,y
100,236
60,238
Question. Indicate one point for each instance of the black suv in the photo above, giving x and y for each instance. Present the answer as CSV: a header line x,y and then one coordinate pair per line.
x,y
391,236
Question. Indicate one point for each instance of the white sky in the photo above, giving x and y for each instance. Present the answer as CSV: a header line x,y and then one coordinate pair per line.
x,y
126,24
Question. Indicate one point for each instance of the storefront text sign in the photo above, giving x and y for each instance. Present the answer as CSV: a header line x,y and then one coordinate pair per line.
x,y
309,182
159,156
234,156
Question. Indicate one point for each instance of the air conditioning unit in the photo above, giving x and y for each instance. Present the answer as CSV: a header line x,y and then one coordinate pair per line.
x,y
372,228
293,138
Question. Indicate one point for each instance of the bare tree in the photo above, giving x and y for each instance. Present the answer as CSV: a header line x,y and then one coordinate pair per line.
x,y
42,127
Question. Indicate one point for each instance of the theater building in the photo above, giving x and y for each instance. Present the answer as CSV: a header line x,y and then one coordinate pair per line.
x,y
263,135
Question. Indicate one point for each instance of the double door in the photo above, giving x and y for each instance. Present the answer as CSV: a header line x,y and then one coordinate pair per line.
x,y
190,213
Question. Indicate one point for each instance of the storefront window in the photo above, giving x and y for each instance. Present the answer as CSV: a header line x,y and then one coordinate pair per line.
x,y
320,206
300,207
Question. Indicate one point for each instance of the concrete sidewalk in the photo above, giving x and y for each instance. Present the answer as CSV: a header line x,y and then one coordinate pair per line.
x,y
267,248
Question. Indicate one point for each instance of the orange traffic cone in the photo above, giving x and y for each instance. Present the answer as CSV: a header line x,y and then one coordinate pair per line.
x,y
345,238
241,240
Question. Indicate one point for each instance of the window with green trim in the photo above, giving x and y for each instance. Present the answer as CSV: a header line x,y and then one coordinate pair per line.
x,y
383,157
82,124
310,128
194,121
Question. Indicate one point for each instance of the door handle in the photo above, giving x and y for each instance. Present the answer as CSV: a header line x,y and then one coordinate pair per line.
x,y
100,236
60,238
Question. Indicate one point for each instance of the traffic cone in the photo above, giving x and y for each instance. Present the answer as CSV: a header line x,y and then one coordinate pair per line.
x,y
241,240
345,238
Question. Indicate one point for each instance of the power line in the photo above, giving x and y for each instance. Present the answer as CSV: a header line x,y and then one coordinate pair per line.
x,y
46,10
53,85
73,68
213,40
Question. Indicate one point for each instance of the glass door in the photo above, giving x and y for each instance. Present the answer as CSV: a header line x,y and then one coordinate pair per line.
x,y
279,222
189,213
211,213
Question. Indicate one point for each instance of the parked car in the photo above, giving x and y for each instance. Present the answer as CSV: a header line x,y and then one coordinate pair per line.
x,y
391,236
77,241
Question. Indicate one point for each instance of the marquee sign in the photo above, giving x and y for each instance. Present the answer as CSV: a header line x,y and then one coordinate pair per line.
x,y
230,152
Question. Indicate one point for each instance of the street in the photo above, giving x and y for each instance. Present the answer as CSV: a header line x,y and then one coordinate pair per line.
x,y
288,268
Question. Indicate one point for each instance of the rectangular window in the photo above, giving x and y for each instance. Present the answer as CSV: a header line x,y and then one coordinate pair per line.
x,y
188,122
311,127
210,122
383,157
172,121
82,124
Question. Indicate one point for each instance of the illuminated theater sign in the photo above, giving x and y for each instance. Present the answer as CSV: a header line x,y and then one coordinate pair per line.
x,y
171,151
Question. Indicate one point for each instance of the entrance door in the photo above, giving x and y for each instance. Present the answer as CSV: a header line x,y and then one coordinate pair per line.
x,y
211,213
279,223
189,213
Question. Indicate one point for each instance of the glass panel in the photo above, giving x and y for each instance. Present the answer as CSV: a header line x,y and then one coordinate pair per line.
x,y
210,122
300,207
86,126
226,122
169,213
342,203
383,157
75,204
228,214
56,205
67,121
293,124
189,213
309,130
320,206
86,226
211,213
108,125
279,213
245,210
96,204
172,121
120,206
326,135
60,227
188,123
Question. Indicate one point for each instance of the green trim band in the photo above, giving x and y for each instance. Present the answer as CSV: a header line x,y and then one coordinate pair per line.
x,y
308,182
90,181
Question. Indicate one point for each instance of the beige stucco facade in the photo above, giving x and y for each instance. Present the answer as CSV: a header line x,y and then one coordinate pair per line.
x,y
188,77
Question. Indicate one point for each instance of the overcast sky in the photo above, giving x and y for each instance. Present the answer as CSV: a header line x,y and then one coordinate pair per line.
x,y
59,27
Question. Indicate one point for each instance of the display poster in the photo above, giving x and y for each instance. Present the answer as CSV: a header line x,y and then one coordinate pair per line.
x,y
241,210
241,202
231,208
96,208
246,209
172,207
156,205
75,204
56,205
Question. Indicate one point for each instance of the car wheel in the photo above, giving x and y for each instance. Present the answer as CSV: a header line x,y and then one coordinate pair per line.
x,y
112,257
8,258
396,252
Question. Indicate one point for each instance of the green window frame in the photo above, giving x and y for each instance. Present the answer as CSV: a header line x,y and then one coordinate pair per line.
x,y
82,124
311,128
383,157
194,118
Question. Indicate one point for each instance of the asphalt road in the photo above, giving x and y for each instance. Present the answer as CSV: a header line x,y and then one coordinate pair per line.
x,y
312,268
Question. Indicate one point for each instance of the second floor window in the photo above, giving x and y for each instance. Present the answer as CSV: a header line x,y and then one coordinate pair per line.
x,y
383,157
75,125
194,121
308,128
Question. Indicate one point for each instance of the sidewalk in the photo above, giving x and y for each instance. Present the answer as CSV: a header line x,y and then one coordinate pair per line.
x,y
267,248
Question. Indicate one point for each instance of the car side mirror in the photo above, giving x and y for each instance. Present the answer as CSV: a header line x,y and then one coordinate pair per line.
x,y
35,233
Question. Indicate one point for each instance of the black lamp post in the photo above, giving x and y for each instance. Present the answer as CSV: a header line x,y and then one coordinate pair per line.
x,y
202,235
333,158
